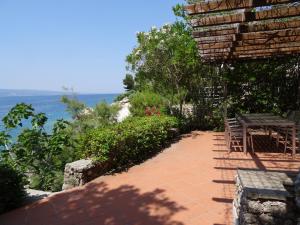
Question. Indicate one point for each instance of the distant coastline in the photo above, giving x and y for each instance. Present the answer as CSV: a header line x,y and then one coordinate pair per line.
x,y
28,93
24,92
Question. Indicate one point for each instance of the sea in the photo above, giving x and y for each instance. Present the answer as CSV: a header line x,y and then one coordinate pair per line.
x,y
50,105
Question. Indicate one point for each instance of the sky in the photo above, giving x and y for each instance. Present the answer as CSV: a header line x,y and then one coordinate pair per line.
x,y
80,44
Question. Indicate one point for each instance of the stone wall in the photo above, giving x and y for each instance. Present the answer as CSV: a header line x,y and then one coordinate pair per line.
x,y
297,191
80,172
83,171
264,198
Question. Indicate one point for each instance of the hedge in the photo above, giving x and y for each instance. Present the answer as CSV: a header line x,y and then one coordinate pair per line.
x,y
129,142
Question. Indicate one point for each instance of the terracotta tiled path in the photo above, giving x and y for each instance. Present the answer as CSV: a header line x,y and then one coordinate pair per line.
x,y
192,182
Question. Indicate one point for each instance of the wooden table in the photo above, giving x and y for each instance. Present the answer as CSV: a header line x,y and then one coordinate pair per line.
x,y
265,120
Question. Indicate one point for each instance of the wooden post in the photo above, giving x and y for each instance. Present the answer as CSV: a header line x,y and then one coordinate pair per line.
x,y
298,90
225,99
245,138
294,140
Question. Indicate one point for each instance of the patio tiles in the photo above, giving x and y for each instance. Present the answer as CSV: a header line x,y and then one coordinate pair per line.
x,y
189,183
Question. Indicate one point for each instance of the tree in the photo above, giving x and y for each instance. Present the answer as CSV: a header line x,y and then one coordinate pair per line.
x,y
128,82
74,106
166,60
38,153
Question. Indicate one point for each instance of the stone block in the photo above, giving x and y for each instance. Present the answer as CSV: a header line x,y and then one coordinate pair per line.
x,y
264,198
81,172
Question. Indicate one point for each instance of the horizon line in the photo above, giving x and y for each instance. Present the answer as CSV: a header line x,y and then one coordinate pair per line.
x,y
61,91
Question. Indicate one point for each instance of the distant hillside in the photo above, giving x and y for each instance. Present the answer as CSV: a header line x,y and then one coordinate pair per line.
x,y
12,92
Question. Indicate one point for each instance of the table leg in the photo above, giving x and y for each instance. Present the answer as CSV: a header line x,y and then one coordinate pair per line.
x,y
294,140
245,138
270,133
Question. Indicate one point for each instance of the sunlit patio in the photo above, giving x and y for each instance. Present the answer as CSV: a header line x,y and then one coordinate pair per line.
x,y
191,182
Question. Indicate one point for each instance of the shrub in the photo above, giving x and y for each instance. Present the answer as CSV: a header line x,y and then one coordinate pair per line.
x,y
12,189
120,97
141,102
129,142
36,152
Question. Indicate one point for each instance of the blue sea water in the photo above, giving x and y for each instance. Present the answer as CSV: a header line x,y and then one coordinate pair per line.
x,y
50,105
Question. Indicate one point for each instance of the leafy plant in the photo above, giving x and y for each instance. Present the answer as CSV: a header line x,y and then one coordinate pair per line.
x,y
147,103
86,118
165,61
36,152
74,106
12,191
128,82
128,142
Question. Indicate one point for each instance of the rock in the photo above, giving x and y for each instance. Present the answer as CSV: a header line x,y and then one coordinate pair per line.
x,y
255,207
35,195
267,219
297,191
298,202
86,111
174,132
124,112
249,218
288,222
275,208
81,172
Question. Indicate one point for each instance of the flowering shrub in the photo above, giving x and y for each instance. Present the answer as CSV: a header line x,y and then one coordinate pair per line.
x,y
147,104
151,111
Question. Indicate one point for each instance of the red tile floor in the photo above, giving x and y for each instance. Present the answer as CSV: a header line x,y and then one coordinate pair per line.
x,y
191,182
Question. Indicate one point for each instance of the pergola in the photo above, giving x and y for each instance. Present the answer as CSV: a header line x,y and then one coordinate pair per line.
x,y
232,30
227,31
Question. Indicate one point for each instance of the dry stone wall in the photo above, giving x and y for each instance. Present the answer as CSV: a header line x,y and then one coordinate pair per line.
x,y
264,198
80,172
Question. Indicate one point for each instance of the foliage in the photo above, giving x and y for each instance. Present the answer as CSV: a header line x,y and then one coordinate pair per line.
x,y
12,184
87,118
127,94
141,102
105,114
128,142
74,106
128,82
166,61
36,152
263,86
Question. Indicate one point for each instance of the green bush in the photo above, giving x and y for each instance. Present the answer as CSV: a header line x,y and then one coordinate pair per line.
x,y
12,189
120,97
42,155
141,101
129,142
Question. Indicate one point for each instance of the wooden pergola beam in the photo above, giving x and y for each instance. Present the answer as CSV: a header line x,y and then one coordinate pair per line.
x,y
238,54
281,12
268,46
245,28
225,5
246,43
215,45
221,60
268,36
249,34
251,48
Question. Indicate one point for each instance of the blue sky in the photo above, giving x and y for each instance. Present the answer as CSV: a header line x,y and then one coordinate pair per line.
x,y
47,44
